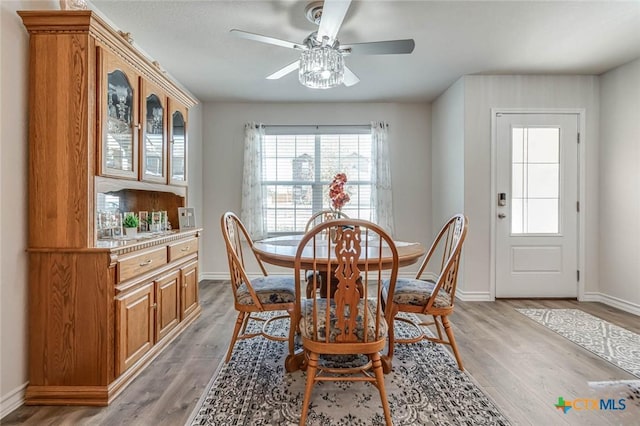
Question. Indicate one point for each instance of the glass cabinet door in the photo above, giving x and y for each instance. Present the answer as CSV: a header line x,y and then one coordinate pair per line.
x,y
177,143
119,156
154,164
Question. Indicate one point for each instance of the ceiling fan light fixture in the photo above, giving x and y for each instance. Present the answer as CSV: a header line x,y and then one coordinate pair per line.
x,y
321,67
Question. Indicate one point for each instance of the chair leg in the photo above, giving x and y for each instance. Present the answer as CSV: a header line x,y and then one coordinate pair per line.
x,y
312,368
391,332
437,324
452,340
234,337
377,369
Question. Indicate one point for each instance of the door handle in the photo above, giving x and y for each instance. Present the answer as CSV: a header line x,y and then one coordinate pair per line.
x,y
501,215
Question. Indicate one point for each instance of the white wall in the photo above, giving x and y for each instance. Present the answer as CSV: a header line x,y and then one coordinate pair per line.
x,y
447,150
13,196
409,135
485,92
619,231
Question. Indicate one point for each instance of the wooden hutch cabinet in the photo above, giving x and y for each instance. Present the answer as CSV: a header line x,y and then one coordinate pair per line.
x,y
105,123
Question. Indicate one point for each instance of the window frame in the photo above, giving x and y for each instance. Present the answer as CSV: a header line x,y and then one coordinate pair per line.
x,y
318,194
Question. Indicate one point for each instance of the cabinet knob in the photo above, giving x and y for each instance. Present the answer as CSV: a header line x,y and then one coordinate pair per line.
x,y
154,306
148,262
185,248
136,126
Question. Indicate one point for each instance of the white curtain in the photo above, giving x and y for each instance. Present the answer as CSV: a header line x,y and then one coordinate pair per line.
x,y
251,212
381,176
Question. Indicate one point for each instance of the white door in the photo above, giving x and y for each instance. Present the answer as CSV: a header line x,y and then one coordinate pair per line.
x,y
537,205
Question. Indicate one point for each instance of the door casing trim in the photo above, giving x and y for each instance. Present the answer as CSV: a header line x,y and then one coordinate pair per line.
x,y
581,113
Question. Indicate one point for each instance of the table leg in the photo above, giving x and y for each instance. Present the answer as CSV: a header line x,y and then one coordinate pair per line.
x,y
386,364
294,362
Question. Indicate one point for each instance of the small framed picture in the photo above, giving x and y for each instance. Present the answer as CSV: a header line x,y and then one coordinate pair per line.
x,y
144,221
186,218
156,218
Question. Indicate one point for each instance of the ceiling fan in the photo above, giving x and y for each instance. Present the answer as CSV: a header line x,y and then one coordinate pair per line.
x,y
321,64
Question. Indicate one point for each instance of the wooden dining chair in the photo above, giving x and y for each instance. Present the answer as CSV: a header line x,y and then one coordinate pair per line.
x,y
261,294
432,292
351,319
315,219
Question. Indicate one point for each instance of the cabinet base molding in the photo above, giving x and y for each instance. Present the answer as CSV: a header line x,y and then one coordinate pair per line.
x,y
67,395
100,396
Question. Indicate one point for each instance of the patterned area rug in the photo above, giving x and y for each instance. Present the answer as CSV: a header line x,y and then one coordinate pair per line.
x,y
615,344
425,388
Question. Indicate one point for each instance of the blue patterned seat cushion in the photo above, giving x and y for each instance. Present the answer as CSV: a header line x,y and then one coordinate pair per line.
x,y
270,290
415,292
306,321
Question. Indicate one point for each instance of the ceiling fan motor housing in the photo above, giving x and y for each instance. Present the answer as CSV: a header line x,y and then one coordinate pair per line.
x,y
313,12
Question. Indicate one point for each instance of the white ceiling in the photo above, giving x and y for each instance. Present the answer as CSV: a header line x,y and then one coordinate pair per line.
x,y
191,41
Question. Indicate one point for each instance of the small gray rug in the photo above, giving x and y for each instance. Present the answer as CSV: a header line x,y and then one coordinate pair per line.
x,y
424,388
617,345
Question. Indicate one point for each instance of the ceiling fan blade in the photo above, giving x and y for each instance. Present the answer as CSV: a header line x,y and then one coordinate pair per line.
x,y
333,13
265,39
284,71
349,77
389,47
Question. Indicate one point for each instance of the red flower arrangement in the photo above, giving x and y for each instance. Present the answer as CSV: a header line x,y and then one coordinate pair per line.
x,y
336,191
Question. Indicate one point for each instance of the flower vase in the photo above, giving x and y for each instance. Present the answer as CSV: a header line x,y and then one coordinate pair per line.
x,y
131,232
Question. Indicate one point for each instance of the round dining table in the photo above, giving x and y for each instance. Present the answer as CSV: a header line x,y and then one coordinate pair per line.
x,y
281,251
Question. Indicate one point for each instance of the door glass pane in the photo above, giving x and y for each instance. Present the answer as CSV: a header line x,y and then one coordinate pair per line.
x,y
535,180
543,145
539,221
543,180
178,147
153,137
119,135
517,215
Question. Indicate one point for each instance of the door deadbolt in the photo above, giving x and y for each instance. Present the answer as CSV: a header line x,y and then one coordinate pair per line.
x,y
502,199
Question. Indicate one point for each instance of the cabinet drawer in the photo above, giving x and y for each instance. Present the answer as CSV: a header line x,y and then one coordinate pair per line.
x,y
182,249
139,263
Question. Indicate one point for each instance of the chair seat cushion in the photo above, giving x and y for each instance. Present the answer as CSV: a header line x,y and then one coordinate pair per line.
x,y
307,327
416,292
270,290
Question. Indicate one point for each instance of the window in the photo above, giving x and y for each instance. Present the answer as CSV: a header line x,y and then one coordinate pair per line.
x,y
299,162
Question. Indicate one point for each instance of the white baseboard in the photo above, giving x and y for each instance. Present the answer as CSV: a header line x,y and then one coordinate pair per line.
x,y
215,276
615,302
12,400
474,296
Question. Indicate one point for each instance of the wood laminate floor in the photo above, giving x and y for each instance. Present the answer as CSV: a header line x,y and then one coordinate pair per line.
x,y
522,365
